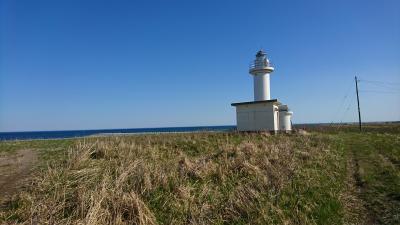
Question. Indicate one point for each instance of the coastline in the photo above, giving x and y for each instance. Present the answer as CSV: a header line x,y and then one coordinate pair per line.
x,y
69,134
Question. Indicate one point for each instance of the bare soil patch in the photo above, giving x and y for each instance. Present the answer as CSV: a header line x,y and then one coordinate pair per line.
x,y
14,169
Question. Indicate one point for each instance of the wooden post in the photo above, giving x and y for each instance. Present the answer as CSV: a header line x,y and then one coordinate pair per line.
x,y
358,104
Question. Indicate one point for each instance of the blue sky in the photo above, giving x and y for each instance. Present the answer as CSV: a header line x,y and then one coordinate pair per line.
x,y
74,64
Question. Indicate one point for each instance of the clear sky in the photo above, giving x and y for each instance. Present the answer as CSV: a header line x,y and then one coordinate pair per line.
x,y
75,64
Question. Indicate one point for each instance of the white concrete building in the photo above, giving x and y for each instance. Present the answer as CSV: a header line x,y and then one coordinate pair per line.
x,y
264,113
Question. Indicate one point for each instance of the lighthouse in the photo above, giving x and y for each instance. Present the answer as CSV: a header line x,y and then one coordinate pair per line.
x,y
264,113
261,70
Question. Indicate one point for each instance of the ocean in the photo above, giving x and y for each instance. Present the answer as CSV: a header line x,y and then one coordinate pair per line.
x,y
29,135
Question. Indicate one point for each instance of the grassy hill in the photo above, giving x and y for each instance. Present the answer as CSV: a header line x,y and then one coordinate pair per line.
x,y
328,176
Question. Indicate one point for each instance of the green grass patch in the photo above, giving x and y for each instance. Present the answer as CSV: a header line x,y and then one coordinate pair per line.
x,y
377,156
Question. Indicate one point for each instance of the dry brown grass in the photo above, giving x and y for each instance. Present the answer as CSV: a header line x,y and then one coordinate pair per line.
x,y
202,178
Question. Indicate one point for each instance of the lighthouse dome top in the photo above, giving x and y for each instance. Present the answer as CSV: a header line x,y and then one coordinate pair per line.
x,y
261,64
260,53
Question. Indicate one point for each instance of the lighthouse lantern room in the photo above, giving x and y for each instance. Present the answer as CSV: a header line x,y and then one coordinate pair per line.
x,y
264,113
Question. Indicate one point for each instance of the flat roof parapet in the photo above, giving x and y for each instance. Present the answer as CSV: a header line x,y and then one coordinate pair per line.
x,y
274,101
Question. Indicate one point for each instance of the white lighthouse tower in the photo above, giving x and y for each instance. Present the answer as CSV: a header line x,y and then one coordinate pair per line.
x,y
264,113
261,69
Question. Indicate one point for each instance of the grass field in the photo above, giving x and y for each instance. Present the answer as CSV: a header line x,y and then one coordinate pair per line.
x,y
328,176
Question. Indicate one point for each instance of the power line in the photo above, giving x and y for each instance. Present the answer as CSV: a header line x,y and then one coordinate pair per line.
x,y
342,101
379,82
383,92
387,87
347,108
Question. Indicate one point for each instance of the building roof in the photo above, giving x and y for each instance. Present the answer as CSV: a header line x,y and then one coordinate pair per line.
x,y
275,101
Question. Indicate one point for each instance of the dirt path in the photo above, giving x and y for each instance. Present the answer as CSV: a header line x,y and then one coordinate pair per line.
x,y
356,211
14,169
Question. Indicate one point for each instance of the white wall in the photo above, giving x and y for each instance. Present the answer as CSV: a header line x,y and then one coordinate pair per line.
x,y
285,123
261,87
257,117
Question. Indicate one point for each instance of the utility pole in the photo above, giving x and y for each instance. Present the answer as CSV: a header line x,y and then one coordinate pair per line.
x,y
358,104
